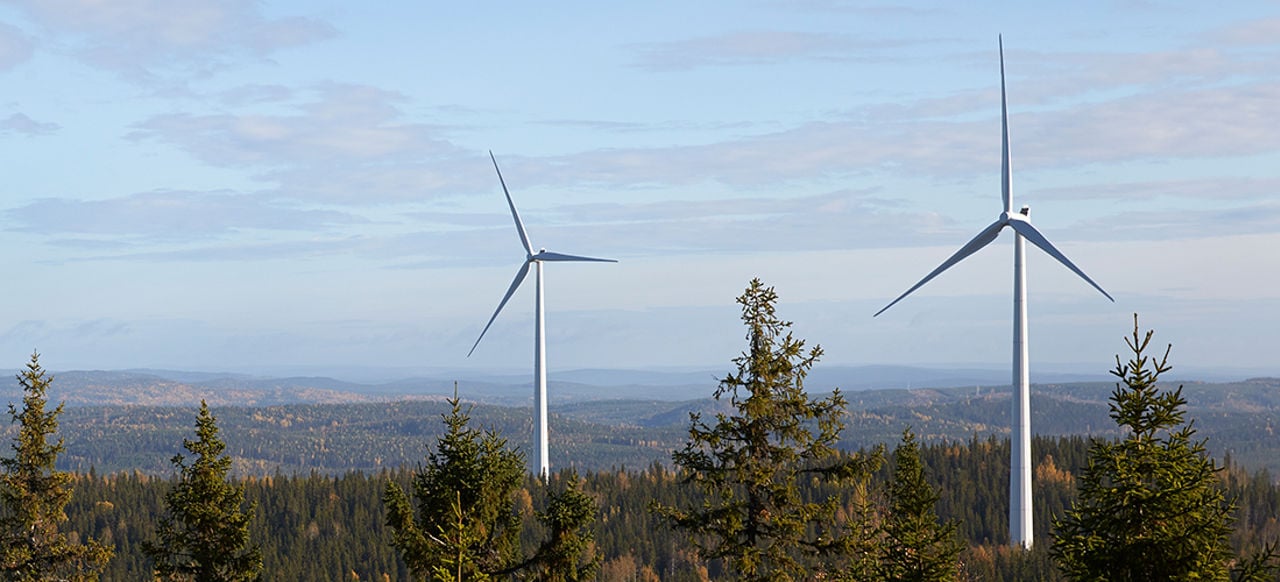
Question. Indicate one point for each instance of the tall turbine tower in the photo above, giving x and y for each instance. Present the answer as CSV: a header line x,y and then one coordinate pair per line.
x,y
1020,527
540,336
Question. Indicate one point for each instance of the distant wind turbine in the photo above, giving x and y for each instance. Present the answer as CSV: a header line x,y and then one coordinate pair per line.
x,y
540,342
1020,526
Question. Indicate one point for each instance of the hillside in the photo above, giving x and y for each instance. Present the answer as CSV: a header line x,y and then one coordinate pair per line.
x,y
182,388
1237,418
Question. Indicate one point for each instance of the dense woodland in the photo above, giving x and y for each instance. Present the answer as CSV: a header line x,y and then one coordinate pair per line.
x,y
761,485
324,527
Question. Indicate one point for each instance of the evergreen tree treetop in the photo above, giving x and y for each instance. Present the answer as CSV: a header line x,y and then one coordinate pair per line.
x,y
1151,505
34,495
204,536
915,547
461,523
747,464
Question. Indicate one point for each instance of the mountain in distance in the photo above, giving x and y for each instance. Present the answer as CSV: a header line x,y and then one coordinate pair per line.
x,y
121,420
157,387
1238,418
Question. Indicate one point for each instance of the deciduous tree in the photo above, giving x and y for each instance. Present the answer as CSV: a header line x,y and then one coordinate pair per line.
x,y
204,536
33,495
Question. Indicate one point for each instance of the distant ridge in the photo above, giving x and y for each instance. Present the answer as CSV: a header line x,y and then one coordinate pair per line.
x,y
1237,418
158,387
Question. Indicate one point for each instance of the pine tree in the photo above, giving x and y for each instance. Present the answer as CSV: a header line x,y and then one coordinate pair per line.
x,y
1151,506
915,546
34,495
204,536
748,465
462,524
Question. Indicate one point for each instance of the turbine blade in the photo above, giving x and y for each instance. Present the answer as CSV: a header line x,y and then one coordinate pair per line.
x,y
1030,233
553,257
983,239
1006,163
515,284
524,238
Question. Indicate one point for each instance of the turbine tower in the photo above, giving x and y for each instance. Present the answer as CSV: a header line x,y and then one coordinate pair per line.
x,y
1020,526
540,341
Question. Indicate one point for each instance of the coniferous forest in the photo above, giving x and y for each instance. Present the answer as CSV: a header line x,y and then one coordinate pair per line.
x,y
761,490
324,527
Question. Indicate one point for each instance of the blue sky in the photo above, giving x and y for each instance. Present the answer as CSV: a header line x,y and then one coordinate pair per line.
x,y
263,185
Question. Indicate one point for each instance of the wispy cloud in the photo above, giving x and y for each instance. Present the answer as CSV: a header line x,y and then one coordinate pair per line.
x,y
1216,189
1236,120
754,48
614,126
20,123
839,219
343,122
1170,224
142,39
833,220
15,47
1066,77
347,144
173,216
233,252
859,6
353,144
374,182
255,94
1261,32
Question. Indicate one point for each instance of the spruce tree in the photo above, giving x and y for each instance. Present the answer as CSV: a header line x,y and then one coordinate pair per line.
x,y
204,536
1151,506
569,553
748,465
462,523
915,547
34,495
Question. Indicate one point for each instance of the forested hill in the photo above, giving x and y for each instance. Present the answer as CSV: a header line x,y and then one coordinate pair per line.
x,y
181,388
1237,418
318,527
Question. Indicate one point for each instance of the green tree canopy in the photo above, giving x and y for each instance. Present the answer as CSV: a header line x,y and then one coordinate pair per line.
x,y
1151,506
465,524
204,536
915,546
33,495
568,554
748,464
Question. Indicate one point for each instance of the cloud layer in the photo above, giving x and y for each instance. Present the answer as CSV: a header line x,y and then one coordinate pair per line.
x,y
147,39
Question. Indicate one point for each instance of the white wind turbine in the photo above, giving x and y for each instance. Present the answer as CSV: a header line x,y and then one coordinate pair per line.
x,y
540,342
1020,526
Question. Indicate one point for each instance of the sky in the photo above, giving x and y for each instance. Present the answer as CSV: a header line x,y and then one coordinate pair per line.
x,y
270,185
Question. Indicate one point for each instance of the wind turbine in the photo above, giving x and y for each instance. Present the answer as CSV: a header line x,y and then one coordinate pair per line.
x,y
1020,526
540,341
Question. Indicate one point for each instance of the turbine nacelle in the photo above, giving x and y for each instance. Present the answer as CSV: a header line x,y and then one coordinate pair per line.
x,y
543,255
1020,518
542,464
1020,222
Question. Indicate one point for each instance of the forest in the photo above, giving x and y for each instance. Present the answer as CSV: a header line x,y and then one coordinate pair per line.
x,y
1237,419
759,485
333,527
